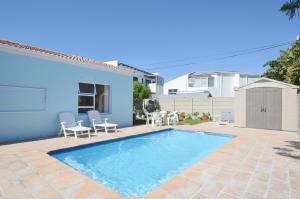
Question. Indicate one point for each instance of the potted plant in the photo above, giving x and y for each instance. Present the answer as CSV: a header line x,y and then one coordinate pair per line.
x,y
187,116
181,116
205,116
195,116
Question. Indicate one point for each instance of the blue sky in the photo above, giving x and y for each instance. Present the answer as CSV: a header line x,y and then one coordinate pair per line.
x,y
170,37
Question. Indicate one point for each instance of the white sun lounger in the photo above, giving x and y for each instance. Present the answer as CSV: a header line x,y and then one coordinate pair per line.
x,y
96,122
225,118
70,127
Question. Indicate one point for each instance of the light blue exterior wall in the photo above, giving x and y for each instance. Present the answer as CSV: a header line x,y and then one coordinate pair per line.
x,y
52,88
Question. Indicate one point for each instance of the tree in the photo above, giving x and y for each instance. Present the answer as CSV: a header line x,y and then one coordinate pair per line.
x,y
140,91
286,67
291,8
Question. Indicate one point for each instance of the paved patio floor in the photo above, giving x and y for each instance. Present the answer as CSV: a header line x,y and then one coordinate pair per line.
x,y
256,164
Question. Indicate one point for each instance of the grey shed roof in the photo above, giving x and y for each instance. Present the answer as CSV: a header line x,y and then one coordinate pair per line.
x,y
262,82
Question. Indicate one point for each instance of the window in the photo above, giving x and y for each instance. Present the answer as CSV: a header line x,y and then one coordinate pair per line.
x,y
172,91
93,97
211,82
148,81
202,82
135,79
159,80
191,82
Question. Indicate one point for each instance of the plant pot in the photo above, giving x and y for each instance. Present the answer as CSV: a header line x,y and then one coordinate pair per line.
x,y
194,117
181,116
205,117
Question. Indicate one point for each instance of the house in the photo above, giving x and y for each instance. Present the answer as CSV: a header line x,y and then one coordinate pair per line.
x,y
153,80
36,84
216,83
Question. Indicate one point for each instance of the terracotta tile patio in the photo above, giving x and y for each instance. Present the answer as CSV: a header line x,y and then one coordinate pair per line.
x,y
256,164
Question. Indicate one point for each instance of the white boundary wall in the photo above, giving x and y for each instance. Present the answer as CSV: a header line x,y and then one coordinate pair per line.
x,y
214,105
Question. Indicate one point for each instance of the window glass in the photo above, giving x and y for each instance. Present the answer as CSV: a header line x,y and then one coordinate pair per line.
x,y
211,82
135,79
86,101
84,110
86,88
159,80
203,82
148,81
102,98
172,91
191,82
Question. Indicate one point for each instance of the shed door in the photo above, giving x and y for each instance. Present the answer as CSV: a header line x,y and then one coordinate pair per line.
x,y
273,108
254,103
264,108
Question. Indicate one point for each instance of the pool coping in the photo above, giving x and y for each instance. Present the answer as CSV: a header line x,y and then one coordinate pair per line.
x,y
50,153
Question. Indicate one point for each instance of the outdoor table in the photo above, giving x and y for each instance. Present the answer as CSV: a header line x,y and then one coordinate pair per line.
x,y
161,115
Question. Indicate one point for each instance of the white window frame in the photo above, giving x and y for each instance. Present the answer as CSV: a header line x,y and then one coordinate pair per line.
x,y
172,91
94,96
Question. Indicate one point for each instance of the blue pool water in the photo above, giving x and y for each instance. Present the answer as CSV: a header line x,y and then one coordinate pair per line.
x,y
137,165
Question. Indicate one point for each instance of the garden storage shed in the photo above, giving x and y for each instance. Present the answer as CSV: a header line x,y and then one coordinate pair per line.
x,y
266,104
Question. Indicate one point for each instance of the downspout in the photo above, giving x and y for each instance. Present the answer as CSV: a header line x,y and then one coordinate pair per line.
x,y
221,85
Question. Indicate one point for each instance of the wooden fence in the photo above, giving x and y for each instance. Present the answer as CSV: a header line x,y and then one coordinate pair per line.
x,y
213,105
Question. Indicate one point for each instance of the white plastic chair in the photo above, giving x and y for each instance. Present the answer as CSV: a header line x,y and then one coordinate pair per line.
x,y
148,117
172,117
156,119
70,127
96,122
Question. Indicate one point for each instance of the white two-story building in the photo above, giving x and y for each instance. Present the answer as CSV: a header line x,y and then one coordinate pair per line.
x,y
216,83
153,80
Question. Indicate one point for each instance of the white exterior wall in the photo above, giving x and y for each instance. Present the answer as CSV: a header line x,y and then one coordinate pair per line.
x,y
244,80
156,90
227,85
180,83
289,109
240,108
224,84
141,76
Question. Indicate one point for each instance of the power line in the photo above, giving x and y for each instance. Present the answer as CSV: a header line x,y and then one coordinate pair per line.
x,y
235,54
212,55
184,59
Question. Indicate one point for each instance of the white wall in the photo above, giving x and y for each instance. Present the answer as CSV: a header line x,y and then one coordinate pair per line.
x,y
141,76
224,85
289,109
228,84
180,83
246,79
240,108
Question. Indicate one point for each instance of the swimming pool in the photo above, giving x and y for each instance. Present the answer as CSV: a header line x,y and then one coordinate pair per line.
x,y
135,166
